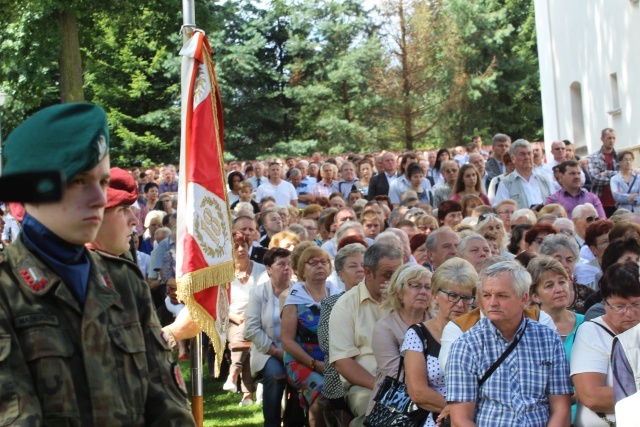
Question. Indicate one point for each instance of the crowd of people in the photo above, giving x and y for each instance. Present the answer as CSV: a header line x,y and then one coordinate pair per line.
x,y
521,267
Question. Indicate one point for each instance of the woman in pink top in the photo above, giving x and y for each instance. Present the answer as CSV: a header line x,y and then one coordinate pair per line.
x,y
469,182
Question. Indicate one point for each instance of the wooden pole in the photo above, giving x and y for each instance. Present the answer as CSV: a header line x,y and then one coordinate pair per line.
x,y
197,404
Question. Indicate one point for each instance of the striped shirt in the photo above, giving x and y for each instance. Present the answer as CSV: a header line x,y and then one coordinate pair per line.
x,y
516,394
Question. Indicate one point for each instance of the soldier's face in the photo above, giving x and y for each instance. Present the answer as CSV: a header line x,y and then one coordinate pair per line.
x,y
78,216
116,229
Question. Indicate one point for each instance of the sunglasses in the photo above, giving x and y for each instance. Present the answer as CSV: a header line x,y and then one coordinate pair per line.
x,y
485,216
591,219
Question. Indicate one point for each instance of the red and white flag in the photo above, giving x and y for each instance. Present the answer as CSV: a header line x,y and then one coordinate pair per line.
x,y
204,254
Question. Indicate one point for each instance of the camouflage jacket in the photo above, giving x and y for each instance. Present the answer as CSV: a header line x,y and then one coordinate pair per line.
x,y
104,364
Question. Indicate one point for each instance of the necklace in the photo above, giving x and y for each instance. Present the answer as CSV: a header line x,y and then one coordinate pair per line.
x,y
307,290
244,274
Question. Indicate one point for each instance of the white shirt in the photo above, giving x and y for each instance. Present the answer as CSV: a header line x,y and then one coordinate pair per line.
x,y
283,193
531,190
11,228
144,261
590,353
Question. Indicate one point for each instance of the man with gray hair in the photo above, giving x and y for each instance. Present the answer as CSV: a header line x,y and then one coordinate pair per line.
x,y
351,327
524,186
303,189
508,369
441,245
442,192
582,216
347,181
495,165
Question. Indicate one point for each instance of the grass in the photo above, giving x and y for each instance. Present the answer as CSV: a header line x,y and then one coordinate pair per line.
x,y
220,407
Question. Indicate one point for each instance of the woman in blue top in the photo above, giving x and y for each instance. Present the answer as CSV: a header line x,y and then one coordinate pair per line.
x,y
625,185
550,290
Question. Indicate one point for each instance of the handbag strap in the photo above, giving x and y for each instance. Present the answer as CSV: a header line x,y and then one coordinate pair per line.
x,y
504,355
632,182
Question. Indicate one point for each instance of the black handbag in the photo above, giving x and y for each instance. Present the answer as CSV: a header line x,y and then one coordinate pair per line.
x,y
393,405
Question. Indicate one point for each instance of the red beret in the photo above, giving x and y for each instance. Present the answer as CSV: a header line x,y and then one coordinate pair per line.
x,y
17,210
122,189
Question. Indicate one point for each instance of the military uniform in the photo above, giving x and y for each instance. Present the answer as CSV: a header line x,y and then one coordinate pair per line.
x,y
65,364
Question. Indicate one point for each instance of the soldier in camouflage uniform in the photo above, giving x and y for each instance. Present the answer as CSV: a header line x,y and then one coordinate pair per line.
x,y
80,344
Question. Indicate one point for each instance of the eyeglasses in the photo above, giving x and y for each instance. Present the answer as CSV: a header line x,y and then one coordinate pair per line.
x,y
559,149
508,213
310,228
418,287
425,228
315,262
485,216
622,308
451,170
166,200
454,297
567,232
539,240
590,219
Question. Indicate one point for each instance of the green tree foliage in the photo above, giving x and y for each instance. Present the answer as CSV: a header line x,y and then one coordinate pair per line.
x,y
501,75
296,76
420,81
335,51
250,57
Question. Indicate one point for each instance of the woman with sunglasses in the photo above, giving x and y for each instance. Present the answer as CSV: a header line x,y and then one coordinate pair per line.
x,y
303,357
491,225
590,358
409,300
453,290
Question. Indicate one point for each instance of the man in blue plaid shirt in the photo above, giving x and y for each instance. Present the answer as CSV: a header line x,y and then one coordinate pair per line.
x,y
531,387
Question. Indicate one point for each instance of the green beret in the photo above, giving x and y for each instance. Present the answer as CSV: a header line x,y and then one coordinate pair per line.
x,y
71,138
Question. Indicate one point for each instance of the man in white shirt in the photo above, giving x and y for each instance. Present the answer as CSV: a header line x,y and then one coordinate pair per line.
x,y
524,186
282,191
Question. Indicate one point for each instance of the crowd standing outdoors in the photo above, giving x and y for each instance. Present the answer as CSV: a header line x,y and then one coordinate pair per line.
x,y
506,282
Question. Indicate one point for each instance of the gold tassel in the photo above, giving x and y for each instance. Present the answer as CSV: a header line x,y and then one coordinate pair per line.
x,y
198,281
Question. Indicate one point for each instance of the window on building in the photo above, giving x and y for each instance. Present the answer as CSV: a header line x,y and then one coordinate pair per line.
x,y
577,118
615,95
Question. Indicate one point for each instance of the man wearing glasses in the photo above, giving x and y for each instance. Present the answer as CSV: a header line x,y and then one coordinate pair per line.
x,y
582,216
572,194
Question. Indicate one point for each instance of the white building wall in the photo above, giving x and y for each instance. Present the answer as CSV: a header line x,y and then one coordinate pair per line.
x,y
581,44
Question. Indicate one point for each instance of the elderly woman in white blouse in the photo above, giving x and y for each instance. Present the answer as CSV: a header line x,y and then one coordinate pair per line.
x,y
262,328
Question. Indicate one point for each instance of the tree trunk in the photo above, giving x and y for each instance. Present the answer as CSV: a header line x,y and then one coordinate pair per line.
x,y
406,83
71,88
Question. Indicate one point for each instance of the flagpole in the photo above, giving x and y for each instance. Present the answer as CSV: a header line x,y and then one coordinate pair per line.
x,y
197,404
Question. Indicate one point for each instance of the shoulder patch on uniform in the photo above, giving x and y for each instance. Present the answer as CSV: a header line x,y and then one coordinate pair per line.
x,y
35,319
33,281
178,379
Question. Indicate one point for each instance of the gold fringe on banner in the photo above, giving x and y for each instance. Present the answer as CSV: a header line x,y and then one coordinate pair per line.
x,y
200,280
